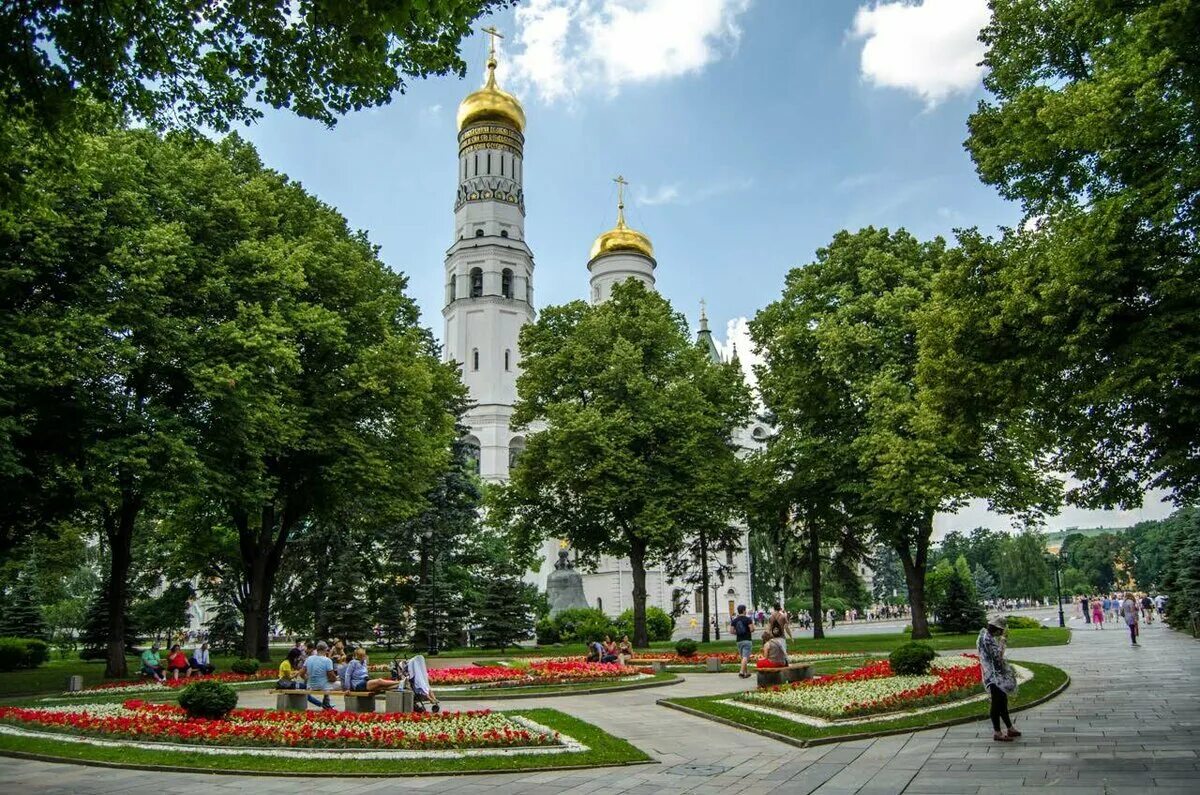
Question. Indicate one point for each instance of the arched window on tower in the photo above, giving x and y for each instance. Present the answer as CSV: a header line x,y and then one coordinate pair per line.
x,y
507,360
473,454
506,283
516,448
476,282
478,233
503,233
475,359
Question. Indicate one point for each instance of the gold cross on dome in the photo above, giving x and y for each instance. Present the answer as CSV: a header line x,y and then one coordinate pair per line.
x,y
621,183
563,544
495,34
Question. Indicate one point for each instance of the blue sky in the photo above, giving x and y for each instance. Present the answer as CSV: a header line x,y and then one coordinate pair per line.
x,y
751,131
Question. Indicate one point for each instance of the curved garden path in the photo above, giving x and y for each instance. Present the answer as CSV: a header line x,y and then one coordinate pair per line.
x,y
1130,722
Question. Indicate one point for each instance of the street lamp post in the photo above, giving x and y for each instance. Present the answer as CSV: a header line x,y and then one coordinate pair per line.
x,y
1055,563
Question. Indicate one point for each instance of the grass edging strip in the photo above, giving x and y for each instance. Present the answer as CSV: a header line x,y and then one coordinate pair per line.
x,y
498,694
807,742
604,750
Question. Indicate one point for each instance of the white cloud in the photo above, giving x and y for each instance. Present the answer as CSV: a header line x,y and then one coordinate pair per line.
x,y
674,193
737,338
564,48
930,48
665,194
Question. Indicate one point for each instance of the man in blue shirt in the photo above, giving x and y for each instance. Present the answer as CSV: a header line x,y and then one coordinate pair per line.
x,y
743,626
316,674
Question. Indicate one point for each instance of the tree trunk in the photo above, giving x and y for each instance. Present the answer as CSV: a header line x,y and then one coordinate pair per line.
x,y
262,551
119,530
637,561
814,579
914,575
706,605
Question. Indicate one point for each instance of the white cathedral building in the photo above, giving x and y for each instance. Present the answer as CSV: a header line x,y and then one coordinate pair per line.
x,y
489,297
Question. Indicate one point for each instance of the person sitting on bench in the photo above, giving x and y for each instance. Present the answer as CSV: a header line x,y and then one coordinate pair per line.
x,y
774,652
201,660
177,663
357,679
320,675
289,669
150,664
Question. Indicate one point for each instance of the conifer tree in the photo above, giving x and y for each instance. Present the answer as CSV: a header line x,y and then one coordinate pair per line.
x,y
505,611
225,628
985,584
22,618
94,640
961,610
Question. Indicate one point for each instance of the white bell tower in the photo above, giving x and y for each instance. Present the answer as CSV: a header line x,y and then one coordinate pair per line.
x,y
489,267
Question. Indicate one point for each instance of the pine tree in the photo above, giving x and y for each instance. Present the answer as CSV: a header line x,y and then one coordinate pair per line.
x,y
94,640
390,618
225,628
985,584
22,618
961,610
505,612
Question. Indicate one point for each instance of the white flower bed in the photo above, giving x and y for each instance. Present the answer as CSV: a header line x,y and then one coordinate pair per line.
x,y
831,700
143,688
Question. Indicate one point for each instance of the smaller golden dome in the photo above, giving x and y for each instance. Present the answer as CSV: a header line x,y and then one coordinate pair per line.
x,y
490,103
621,237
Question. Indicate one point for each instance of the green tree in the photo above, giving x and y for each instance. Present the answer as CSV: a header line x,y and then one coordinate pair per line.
x,y
888,578
1181,575
209,64
504,612
857,355
163,615
634,413
224,627
1023,569
961,610
21,616
985,583
1090,123
94,640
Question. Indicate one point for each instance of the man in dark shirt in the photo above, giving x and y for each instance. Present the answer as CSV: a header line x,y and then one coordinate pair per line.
x,y
742,626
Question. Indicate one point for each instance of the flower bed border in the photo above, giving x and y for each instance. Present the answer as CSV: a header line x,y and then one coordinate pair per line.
x,y
935,723
554,691
599,750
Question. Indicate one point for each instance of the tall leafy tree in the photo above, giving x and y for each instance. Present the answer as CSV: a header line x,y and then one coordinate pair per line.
x,y
849,350
210,63
1090,123
634,413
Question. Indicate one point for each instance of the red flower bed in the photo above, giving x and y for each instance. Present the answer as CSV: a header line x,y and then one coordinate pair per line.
x,y
539,673
259,727
226,678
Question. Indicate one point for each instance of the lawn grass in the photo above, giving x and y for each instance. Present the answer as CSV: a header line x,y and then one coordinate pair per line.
x,y
604,750
51,678
1046,680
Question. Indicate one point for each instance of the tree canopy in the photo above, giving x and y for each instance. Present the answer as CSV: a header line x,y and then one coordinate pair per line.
x,y
1091,124
636,417
204,63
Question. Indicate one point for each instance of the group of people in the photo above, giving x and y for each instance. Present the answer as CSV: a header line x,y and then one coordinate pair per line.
x,y
327,669
607,651
178,663
777,628
1112,608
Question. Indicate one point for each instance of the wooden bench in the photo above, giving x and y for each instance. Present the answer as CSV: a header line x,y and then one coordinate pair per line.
x,y
354,700
769,677
657,666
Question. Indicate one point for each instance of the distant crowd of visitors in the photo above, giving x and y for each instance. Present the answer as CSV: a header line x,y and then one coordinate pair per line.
x,y
1129,608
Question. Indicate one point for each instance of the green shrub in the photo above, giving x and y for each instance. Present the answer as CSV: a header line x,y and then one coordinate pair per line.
x,y
547,632
911,659
211,700
686,647
1024,622
583,624
659,625
22,653
247,666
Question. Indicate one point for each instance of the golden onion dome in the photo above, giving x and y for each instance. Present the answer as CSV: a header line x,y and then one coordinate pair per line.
x,y
490,103
621,237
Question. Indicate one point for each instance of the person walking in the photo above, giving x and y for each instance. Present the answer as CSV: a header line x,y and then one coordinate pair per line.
x,y
778,623
1129,609
999,678
1087,615
1097,614
1147,608
743,628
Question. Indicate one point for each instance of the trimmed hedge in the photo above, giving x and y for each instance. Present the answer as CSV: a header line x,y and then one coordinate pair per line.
x,y
1024,622
911,659
211,700
247,666
686,647
22,653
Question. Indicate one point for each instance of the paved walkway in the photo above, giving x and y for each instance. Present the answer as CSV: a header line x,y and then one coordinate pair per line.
x,y
1130,722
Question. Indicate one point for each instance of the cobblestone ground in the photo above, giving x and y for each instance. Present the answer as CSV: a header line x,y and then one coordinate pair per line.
x,y
1130,722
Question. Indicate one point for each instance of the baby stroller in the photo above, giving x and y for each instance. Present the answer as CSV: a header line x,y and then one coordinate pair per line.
x,y
413,674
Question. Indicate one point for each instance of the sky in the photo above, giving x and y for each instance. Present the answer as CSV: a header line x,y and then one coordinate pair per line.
x,y
750,131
